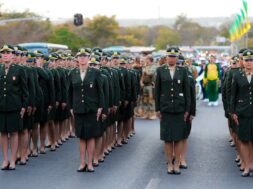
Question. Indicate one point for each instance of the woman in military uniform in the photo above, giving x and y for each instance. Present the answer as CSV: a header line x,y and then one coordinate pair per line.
x,y
86,99
242,109
172,96
13,104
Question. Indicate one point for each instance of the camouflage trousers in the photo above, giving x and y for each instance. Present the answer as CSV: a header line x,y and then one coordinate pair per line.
x,y
148,101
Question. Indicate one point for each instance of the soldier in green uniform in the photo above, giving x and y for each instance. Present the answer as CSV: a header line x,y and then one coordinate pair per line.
x,y
192,113
172,95
13,104
242,107
28,119
113,100
148,78
102,123
86,99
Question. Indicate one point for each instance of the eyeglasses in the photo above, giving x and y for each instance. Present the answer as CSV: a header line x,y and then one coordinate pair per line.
x,y
116,58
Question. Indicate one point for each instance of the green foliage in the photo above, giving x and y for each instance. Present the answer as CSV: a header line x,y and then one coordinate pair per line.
x,y
63,35
166,36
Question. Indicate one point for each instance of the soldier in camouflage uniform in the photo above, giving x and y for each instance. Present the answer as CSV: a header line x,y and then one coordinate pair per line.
x,y
148,78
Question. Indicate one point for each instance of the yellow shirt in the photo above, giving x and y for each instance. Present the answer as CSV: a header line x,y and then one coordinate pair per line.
x,y
212,72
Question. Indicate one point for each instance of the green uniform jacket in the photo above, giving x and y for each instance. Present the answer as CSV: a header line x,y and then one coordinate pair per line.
x,y
228,86
106,71
116,86
126,76
134,85
30,85
63,85
13,89
172,95
57,85
105,85
242,95
193,94
85,96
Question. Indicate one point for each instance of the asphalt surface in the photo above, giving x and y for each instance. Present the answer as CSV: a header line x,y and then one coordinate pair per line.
x,y
141,163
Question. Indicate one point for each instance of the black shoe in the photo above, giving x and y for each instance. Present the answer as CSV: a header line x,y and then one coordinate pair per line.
x,y
6,167
119,145
82,169
177,172
241,169
124,142
48,146
183,167
171,172
245,174
42,152
22,163
237,160
101,161
106,153
239,164
95,164
17,160
12,168
90,170
52,149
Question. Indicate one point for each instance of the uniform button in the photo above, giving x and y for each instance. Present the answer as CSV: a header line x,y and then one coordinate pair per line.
x,y
250,103
4,89
82,89
172,95
5,83
82,101
172,89
4,95
172,101
4,77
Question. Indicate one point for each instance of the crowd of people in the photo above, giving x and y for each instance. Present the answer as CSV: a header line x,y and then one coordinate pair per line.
x,y
237,98
54,97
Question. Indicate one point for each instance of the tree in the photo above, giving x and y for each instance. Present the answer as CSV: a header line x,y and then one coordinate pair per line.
x,y
102,30
63,35
166,36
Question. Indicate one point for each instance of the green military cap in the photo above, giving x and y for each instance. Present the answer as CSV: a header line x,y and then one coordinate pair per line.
x,y
235,59
173,51
38,53
180,59
84,51
30,57
46,57
53,56
24,51
248,55
94,59
18,50
6,48
123,60
63,56
241,51
115,55
98,50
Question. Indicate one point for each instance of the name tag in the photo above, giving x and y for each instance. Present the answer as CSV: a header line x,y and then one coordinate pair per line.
x,y
181,94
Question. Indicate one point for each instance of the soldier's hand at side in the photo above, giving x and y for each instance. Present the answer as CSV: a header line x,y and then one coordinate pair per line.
x,y
235,118
29,110
34,110
99,112
126,103
186,114
22,112
49,109
72,112
57,104
159,115
63,105
104,117
191,117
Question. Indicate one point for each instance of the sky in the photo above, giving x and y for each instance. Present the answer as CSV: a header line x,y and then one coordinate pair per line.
x,y
129,9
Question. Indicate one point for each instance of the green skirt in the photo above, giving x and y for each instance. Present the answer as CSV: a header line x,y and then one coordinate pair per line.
x,y
172,127
11,122
245,129
87,126
28,122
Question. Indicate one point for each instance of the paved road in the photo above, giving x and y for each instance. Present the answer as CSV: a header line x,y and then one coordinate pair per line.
x,y
141,163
